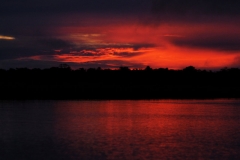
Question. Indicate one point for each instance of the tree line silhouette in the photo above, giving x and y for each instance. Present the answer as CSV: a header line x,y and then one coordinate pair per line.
x,y
95,83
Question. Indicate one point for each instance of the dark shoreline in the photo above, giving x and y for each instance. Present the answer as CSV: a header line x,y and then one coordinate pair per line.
x,y
97,84
117,93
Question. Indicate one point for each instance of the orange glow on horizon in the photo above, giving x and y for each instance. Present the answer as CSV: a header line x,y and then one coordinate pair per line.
x,y
173,59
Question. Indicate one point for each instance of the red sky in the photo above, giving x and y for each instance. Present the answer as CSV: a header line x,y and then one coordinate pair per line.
x,y
94,37
155,45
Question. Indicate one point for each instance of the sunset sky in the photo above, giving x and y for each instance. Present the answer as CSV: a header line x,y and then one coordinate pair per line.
x,y
113,33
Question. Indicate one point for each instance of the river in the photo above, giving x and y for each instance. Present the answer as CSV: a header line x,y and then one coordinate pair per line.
x,y
122,129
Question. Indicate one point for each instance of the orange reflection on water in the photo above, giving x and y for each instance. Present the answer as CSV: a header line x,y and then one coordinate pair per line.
x,y
149,129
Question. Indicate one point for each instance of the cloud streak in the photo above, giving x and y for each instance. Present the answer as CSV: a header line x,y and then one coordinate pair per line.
x,y
6,37
230,43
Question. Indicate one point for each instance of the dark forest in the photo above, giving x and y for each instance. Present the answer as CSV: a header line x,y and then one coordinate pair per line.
x,y
95,83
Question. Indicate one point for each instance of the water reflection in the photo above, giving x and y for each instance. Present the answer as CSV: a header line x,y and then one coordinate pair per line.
x,y
151,129
162,129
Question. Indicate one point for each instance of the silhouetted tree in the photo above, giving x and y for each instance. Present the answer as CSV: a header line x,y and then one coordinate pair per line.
x,y
148,68
190,69
64,66
124,69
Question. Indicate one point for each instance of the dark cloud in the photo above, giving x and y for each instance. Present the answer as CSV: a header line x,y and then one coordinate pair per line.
x,y
120,51
138,46
53,43
194,11
39,17
26,46
25,25
220,42
135,46
63,6
205,7
127,54
30,46
93,50
166,7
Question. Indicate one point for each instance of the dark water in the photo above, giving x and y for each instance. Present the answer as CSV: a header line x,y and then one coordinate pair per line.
x,y
161,129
